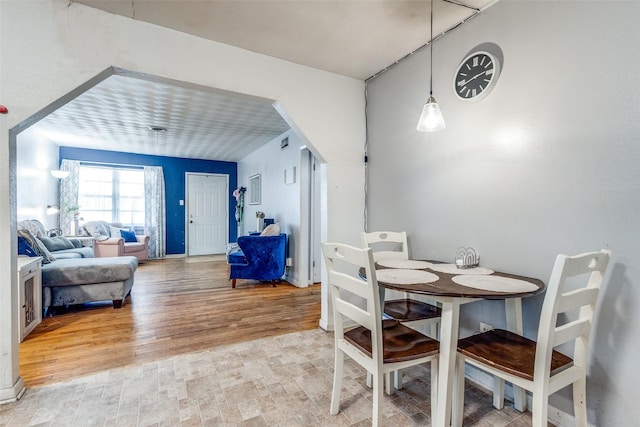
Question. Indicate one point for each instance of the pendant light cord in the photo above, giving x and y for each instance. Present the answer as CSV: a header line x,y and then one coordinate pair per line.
x,y
431,54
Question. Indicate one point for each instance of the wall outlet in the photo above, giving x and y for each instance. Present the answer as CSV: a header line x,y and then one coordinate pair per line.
x,y
484,327
289,262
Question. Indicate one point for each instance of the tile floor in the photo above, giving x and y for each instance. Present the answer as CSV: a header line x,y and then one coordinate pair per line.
x,y
278,381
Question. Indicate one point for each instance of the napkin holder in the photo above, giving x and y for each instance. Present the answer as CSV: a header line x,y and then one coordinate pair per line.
x,y
467,258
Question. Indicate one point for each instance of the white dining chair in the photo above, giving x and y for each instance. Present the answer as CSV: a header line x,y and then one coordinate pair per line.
x,y
536,366
360,332
410,311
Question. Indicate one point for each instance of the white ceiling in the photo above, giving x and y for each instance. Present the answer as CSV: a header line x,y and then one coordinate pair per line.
x,y
356,38
201,123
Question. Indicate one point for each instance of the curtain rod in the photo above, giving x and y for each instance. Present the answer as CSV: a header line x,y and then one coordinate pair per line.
x,y
111,165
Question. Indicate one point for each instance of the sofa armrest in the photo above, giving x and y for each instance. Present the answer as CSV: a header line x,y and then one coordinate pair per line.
x,y
109,248
142,239
110,241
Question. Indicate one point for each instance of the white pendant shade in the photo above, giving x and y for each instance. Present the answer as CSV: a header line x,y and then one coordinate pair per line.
x,y
431,118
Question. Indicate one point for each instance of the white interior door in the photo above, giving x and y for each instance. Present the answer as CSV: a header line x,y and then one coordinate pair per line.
x,y
207,215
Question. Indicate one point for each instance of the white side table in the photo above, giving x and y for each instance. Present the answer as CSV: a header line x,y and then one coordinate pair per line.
x,y
30,294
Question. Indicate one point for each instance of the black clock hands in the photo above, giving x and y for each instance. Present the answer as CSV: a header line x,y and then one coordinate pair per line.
x,y
465,82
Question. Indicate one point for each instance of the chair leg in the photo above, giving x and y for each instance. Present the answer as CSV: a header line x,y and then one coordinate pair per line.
x,y
273,283
434,388
337,382
378,379
498,392
580,402
233,283
397,379
457,408
388,381
540,409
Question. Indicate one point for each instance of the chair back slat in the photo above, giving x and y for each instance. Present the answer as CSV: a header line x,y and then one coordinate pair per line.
x,y
353,312
591,266
571,331
577,298
343,264
590,262
385,241
352,284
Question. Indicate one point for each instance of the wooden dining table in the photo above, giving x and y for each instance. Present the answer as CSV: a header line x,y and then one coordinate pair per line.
x,y
451,287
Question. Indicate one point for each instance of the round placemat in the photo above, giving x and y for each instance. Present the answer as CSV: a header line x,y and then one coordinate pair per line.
x,y
495,283
452,269
405,277
404,263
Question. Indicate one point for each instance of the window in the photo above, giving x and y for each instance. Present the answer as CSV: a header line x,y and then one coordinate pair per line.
x,y
111,194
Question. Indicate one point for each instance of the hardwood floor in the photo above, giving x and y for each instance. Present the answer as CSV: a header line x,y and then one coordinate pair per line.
x,y
177,305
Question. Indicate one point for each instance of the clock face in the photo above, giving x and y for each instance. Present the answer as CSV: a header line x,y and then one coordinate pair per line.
x,y
476,76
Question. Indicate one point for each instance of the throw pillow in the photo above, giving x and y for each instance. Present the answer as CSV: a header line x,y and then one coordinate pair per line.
x,y
30,225
96,229
128,236
47,256
24,248
271,230
37,246
76,243
57,243
231,247
117,232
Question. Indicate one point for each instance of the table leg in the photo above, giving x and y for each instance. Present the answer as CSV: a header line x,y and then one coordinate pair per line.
x,y
513,309
449,323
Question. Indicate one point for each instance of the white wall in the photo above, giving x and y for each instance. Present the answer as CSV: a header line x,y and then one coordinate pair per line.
x,y
280,201
36,187
546,164
50,47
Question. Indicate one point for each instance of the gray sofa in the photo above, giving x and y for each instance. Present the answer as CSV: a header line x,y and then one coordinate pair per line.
x,y
76,281
71,275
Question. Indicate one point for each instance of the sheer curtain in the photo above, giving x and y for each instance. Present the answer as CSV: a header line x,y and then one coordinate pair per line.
x,y
68,194
155,212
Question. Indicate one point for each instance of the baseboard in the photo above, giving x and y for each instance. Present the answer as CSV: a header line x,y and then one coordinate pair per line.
x,y
324,325
483,380
292,280
11,394
175,256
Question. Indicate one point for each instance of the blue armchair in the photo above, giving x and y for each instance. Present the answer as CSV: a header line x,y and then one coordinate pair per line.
x,y
259,258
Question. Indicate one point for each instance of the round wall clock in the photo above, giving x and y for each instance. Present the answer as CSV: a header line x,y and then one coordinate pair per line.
x,y
476,76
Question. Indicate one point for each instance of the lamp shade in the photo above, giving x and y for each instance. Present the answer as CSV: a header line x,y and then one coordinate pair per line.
x,y
431,118
59,174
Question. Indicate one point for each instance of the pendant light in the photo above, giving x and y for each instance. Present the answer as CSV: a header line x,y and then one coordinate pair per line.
x,y
431,118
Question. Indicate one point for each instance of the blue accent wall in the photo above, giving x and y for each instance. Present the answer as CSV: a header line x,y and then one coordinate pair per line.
x,y
174,181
